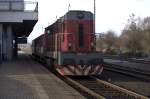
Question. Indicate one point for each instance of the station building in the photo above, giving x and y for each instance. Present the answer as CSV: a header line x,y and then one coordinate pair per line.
x,y
17,19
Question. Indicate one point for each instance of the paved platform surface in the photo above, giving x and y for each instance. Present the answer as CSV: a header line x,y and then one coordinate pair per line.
x,y
139,66
27,79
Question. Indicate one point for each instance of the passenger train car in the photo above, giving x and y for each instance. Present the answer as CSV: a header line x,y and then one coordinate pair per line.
x,y
68,45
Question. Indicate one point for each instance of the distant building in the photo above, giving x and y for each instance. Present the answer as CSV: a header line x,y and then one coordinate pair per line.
x,y
24,46
17,19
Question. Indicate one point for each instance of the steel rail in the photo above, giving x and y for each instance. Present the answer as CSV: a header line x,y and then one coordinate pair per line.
x,y
103,90
83,88
130,93
127,71
129,59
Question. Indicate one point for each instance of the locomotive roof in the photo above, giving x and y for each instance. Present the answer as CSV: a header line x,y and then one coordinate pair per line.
x,y
74,15
77,14
74,11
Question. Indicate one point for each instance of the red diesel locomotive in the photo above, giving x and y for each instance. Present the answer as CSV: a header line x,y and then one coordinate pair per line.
x,y
68,45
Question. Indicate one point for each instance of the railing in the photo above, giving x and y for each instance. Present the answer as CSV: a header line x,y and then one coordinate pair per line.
x,y
19,6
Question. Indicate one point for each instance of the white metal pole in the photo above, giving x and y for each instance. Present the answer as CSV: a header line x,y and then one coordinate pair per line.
x,y
94,18
94,15
69,6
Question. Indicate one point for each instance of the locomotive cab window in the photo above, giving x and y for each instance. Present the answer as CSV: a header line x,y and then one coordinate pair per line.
x,y
81,35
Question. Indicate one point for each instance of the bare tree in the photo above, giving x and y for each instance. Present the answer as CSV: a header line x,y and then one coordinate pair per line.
x,y
133,36
145,27
108,42
110,39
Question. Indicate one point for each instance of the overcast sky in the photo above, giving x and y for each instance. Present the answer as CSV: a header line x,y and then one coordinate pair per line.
x,y
110,14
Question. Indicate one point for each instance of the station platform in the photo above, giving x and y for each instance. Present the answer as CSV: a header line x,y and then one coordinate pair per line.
x,y
27,79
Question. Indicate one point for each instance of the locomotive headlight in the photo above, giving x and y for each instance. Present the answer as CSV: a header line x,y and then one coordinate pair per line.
x,y
92,44
69,46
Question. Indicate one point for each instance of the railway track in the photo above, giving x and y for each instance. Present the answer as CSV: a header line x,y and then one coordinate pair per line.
x,y
100,89
127,71
142,61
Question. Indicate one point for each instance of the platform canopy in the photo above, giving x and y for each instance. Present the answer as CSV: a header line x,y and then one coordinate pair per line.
x,y
22,15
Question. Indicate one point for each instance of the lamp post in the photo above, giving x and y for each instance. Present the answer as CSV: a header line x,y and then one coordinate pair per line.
x,y
94,17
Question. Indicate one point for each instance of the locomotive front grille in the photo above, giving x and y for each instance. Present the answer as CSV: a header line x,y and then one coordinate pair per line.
x,y
68,62
80,59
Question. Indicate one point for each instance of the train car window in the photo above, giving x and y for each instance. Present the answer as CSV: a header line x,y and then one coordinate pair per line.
x,y
81,35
